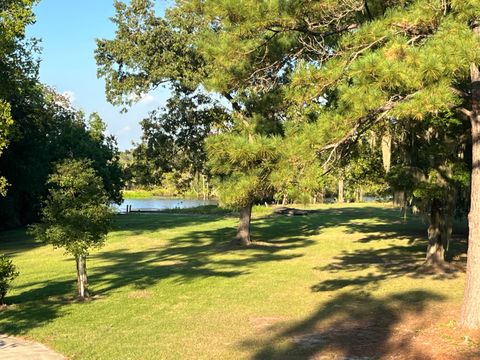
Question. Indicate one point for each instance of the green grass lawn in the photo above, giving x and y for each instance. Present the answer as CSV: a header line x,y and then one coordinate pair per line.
x,y
170,286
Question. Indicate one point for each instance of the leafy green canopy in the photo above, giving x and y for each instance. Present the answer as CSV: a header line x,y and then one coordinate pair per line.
x,y
173,138
337,67
243,167
8,273
16,63
76,215
47,130
148,51
346,65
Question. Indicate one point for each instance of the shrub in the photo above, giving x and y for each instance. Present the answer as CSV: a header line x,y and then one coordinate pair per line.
x,y
7,274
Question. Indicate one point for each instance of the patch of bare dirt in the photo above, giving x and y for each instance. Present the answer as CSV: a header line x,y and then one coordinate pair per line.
x,y
432,335
402,334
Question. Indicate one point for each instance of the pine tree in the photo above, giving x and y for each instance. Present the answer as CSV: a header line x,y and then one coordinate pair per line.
x,y
149,51
341,66
357,64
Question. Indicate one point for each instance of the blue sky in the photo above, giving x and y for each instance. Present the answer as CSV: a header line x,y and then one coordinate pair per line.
x,y
68,29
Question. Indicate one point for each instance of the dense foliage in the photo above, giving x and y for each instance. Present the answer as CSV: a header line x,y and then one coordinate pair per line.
x,y
331,71
18,66
47,131
76,215
39,126
8,273
173,142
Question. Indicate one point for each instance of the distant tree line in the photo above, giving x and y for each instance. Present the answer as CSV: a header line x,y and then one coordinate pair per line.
x,y
39,127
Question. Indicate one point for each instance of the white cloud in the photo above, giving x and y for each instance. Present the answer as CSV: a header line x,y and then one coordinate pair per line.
x,y
147,99
69,95
143,99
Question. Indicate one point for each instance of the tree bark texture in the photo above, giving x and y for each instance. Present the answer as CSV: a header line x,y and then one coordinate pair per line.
x,y
359,195
451,200
341,190
387,151
436,234
243,232
82,281
470,314
399,198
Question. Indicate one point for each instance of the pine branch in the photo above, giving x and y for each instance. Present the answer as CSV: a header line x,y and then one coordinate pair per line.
x,y
362,125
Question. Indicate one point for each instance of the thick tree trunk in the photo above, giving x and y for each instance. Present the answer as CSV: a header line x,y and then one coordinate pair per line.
x,y
470,315
359,195
436,241
399,198
321,197
341,190
451,199
243,232
82,281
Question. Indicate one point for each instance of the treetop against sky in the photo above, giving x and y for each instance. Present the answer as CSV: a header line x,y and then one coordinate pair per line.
x,y
68,30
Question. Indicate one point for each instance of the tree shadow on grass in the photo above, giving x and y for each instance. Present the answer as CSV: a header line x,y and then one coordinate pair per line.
x,y
394,261
19,319
190,256
351,325
15,242
194,255
207,253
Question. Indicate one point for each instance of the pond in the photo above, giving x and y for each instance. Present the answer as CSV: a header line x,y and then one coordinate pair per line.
x,y
157,203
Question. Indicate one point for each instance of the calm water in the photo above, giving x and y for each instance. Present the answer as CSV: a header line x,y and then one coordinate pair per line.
x,y
161,203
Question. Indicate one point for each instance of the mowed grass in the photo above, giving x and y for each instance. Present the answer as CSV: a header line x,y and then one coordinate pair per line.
x,y
170,286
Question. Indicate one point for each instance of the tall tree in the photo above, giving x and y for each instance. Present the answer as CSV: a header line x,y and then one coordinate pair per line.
x,y
18,67
357,63
470,316
149,51
417,60
47,129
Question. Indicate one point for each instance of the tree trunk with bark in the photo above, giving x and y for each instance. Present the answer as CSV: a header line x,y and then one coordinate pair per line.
x,y
399,198
387,151
436,241
82,280
470,315
449,212
341,190
359,195
243,232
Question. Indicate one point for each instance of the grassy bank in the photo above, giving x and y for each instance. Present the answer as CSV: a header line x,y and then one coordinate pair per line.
x,y
342,281
155,192
143,193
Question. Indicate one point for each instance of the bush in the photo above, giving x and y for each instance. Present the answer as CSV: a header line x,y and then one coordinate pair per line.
x,y
7,274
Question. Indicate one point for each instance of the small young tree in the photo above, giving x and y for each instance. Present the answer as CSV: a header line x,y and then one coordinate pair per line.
x,y
7,274
76,215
